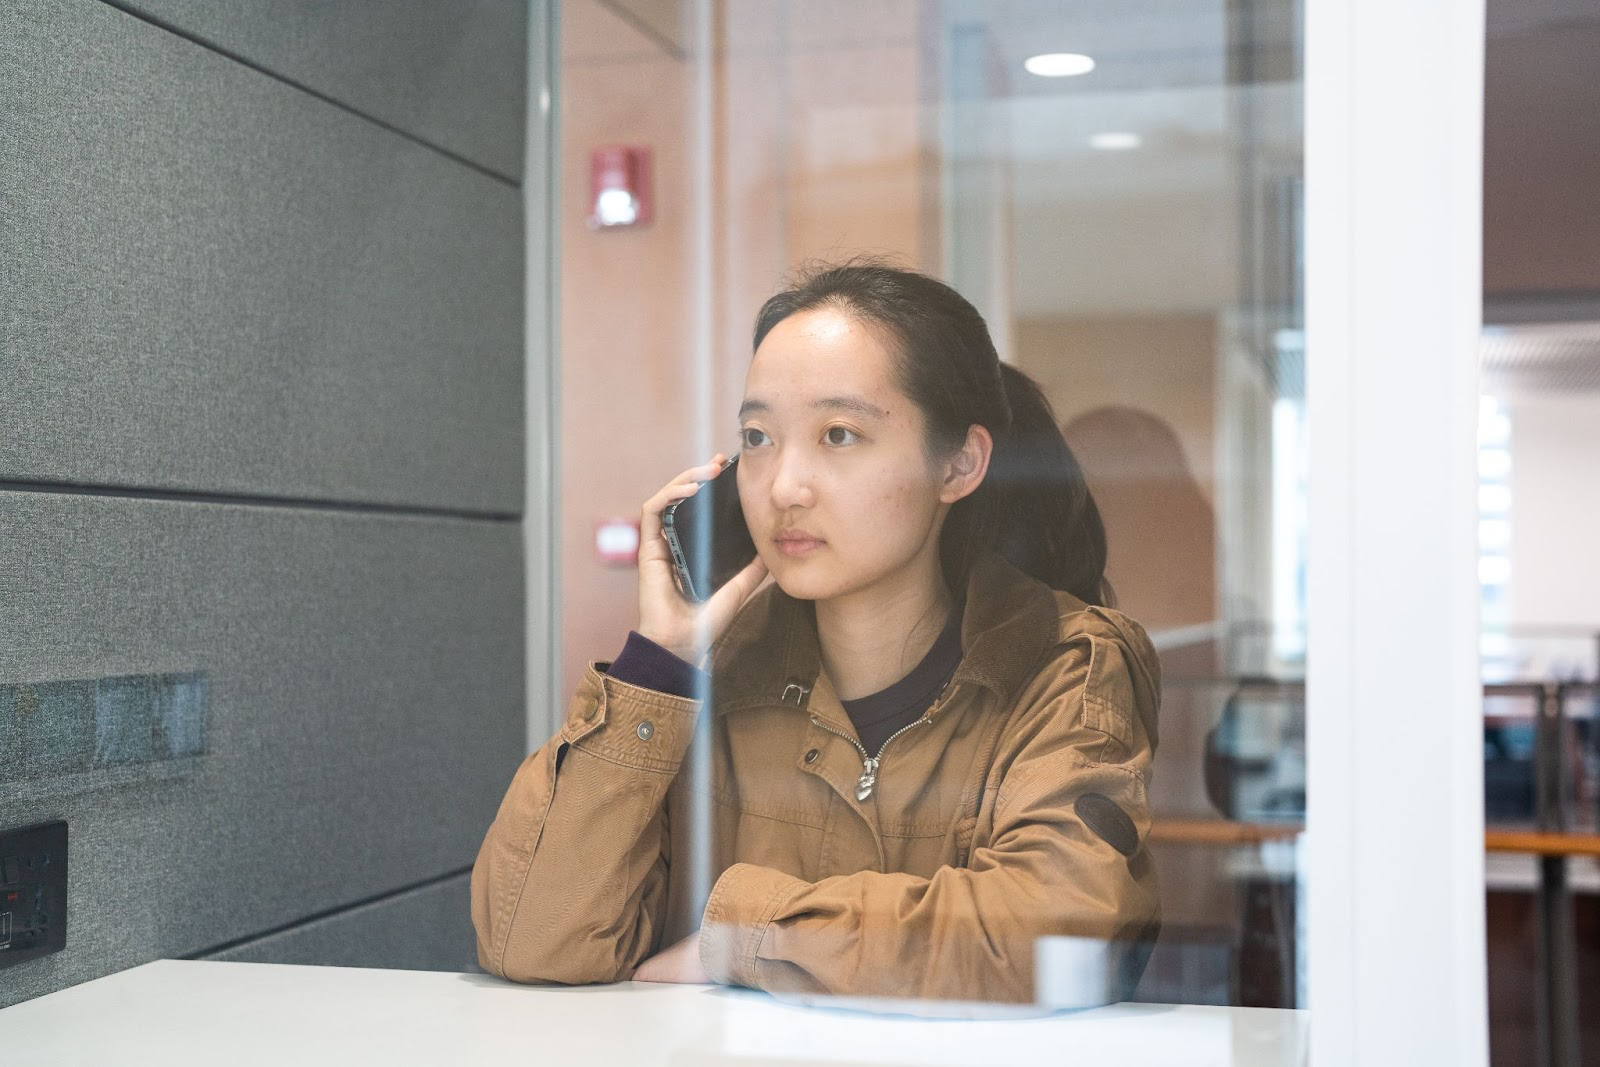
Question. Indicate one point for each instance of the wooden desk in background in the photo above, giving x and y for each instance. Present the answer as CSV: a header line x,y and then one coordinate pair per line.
x,y
1556,966
1227,832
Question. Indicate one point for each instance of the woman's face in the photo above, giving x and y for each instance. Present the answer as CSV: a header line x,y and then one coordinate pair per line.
x,y
836,485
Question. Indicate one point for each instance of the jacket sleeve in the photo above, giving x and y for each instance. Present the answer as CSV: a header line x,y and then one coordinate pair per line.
x,y
570,884
1066,862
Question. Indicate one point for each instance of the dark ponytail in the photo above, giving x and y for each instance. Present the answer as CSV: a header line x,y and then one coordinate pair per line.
x,y
1034,506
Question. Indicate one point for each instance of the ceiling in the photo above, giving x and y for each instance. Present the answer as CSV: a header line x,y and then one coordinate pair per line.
x,y
1523,16
1152,229
1541,194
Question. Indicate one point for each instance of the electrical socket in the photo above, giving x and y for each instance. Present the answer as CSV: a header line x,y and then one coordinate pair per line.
x,y
33,892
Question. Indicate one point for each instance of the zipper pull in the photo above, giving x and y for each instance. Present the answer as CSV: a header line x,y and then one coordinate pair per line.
x,y
869,778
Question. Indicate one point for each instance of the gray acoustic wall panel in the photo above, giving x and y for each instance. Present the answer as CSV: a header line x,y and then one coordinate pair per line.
x,y
215,282
424,929
301,709
448,72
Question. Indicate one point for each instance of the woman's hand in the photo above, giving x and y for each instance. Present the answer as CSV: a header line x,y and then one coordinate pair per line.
x,y
681,626
680,963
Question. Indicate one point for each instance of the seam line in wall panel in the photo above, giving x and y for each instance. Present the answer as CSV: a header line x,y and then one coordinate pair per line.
x,y
329,913
244,61
666,44
180,496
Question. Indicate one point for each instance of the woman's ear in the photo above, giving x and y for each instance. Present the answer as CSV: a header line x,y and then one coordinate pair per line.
x,y
965,470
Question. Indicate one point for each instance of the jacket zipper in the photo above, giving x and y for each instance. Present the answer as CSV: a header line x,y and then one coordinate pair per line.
x,y
870,764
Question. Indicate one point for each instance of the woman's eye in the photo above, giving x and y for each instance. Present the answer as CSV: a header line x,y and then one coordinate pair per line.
x,y
752,438
838,435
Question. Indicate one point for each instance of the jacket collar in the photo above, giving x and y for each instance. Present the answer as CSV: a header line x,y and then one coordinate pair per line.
x,y
770,654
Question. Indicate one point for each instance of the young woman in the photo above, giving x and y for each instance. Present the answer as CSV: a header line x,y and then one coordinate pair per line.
x,y
922,747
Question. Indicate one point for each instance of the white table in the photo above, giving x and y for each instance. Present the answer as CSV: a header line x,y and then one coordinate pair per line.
x,y
172,1013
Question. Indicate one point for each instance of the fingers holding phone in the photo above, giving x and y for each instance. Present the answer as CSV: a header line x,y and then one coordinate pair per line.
x,y
652,548
697,564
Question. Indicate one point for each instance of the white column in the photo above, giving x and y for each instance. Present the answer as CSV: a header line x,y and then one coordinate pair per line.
x,y
1395,920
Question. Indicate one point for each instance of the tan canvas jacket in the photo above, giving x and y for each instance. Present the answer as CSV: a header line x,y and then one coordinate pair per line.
x,y
1015,808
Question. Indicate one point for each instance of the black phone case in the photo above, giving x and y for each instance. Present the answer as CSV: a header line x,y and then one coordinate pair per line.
x,y
707,536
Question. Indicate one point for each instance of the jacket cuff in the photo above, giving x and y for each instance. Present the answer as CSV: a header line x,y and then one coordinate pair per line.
x,y
646,664
737,915
626,724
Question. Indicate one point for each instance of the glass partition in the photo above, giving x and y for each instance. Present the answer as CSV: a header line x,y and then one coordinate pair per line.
x,y
1116,188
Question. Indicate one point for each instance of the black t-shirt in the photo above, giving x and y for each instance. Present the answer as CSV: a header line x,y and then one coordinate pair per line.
x,y
876,717
881,715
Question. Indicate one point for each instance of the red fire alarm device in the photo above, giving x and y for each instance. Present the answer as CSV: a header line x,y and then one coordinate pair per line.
x,y
619,187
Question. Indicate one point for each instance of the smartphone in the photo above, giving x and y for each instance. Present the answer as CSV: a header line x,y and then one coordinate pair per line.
x,y
707,536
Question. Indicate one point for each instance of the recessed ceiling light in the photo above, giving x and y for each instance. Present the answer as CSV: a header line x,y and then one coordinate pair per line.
x,y
1115,141
1058,64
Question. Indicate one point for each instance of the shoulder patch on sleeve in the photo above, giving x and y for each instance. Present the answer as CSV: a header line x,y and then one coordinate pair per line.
x,y
1109,822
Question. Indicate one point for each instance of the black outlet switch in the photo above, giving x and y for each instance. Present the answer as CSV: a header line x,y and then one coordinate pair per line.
x,y
33,892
